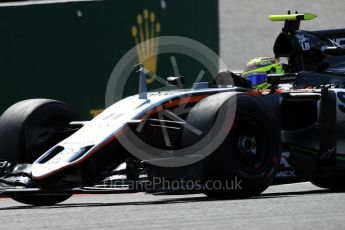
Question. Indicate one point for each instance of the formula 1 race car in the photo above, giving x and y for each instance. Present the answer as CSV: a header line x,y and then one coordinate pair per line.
x,y
221,138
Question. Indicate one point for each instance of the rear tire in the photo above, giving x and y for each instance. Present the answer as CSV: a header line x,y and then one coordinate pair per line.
x,y
245,163
28,129
334,182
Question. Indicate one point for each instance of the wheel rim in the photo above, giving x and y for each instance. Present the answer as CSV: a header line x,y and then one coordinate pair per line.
x,y
250,145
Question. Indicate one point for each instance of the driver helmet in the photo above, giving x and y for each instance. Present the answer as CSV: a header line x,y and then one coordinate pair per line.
x,y
257,69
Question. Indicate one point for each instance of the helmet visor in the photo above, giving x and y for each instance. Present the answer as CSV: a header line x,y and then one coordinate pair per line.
x,y
256,78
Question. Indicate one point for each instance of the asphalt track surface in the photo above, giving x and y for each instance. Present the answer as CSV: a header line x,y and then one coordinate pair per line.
x,y
245,33
297,206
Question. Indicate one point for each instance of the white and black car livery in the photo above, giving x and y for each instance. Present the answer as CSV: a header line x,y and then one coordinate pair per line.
x,y
264,137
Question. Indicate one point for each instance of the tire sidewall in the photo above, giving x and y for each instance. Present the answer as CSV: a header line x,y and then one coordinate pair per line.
x,y
224,163
223,166
19,119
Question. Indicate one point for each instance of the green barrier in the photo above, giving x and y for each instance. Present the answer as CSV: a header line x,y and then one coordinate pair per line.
x,y
67,50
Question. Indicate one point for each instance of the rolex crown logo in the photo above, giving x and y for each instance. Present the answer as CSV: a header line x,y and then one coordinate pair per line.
x,y
143,33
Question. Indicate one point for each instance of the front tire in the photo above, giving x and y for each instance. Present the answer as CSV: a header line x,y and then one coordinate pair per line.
x,y
28,129
40,200
245,163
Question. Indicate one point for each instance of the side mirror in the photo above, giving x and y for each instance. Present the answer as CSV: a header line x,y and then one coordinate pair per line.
x,y
179,81
333,51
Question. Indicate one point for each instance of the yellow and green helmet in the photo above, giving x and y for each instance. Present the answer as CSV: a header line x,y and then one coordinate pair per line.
x,y
257,69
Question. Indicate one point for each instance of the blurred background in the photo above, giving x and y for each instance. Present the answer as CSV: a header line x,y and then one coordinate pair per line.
x,y
245,31
66,50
